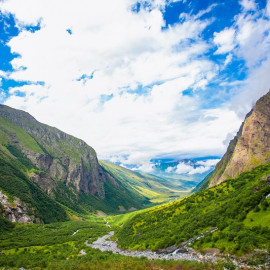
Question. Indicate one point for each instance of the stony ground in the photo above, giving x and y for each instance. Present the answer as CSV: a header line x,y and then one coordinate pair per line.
x,y
104,244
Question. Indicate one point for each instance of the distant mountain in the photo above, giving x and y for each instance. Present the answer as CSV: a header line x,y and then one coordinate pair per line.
x,y
45,172
184,174
155,188
250,147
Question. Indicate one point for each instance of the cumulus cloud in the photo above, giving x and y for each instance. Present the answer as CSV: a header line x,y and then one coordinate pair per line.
x,y
208,162
198,167
147,167
183,168
193,167
228,60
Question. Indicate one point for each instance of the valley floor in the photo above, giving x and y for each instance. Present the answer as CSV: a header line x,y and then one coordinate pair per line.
x,y
104,244
84,243
71,245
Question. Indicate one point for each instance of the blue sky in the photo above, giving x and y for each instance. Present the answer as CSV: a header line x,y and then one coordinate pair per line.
x,y
137,81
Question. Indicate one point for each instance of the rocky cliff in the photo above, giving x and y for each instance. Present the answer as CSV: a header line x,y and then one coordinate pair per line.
x,y
250,147
15,210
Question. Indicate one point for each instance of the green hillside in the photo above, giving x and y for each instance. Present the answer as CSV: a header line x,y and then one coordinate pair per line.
x,y
236,207
52,172
154,188
62,246
15,182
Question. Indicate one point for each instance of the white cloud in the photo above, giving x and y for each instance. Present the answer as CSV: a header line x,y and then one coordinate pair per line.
x,y
170,169
185,168
205,11
123,51
199,170
198,167
252,41
228,59
147,167
268,8
248,4
224,40
208,162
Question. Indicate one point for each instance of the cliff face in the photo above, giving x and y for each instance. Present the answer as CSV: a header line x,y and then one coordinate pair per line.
x,y
250,147
63,157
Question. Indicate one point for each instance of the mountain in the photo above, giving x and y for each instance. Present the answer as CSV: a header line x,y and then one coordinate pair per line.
x,y
46,172
249,148
233,217
180,174
184,173
230,210
155,188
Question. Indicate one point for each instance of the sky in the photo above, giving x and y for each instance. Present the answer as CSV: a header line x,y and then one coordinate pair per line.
x,y
137,80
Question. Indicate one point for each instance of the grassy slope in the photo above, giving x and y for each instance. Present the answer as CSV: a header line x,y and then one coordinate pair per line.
x,y
154,188
24,132
14,180
203,185
15,169
54,246
231,206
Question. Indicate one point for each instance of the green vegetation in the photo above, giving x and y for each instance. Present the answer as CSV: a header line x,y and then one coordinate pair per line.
x,y
66,169
239,208
230,206
156,189
203,185
55,246
15,182
17,133
5,224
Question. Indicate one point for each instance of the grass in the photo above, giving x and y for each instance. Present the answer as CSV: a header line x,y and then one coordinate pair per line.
x,y
18,133
260,218
60,149
156,189
228,206
54,246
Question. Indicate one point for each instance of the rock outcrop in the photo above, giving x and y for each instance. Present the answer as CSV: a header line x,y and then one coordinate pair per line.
x,y
16,210
250,147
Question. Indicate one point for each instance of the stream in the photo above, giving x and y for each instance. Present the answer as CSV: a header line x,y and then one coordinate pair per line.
x,y
103,244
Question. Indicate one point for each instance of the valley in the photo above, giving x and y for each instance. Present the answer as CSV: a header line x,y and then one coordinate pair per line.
x,y
62,208
55,246
135,135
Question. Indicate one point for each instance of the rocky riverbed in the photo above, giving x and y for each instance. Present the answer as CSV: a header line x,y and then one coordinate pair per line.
x,y
104,244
